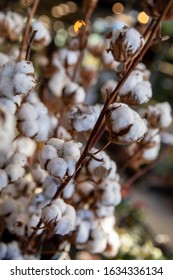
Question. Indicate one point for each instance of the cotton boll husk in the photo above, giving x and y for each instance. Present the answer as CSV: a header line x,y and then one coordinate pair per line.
x,y
58,144
3,179
57,168
47,153
28,128
83,232
3,250
51,214
65,225
27,112
14,172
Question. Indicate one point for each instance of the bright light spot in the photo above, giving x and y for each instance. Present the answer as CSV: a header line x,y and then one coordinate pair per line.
x,y
26,3
78,24
45,19
38,190
65,7
118,8
58,25
57,11
73,7
71,31
143,18
60,38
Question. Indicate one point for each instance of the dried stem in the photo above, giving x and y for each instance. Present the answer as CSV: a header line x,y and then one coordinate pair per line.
x,y
30,44
27,28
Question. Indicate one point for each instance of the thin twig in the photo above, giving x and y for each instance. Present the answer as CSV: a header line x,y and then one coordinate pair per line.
x,y
30,44
27,28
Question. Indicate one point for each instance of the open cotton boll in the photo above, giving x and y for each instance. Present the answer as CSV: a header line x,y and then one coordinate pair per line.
x,y
8,207
159,116
59,202
83,232
135,77
64,226
3,179
142,92
13,250
57,168
71,164
26,112
47,153
51,214
57,83
28,128
14,172
44,128
19,227
107,88
68,57
125,43
42,35
3,250
104,211
72,149
73,94
69,190
24,67
58,144
33,222
25,145
12,103
23,84
19,158
124,124
3,58
113,244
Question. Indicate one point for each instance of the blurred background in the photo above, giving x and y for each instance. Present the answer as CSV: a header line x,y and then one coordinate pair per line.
x,y
144,218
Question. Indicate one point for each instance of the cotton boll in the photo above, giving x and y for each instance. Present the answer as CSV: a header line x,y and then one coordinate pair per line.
x,y
19,227
38,174
19,158
68,191
24,67
113,244
8,207
12,104
28,128
25,145
107,88
47,153
44,129
3,179
85,188
51,214
60,203
26,112
72,149
133,79
6,86
104,211
57,168
83,232
23,84
3,250
57,83
71,164
65,225
58,144
73,94
14,172
42,35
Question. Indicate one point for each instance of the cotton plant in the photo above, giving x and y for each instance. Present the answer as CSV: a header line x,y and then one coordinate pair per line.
x,y
56,182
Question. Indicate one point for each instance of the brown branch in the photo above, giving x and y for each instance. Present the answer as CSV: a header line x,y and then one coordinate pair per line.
x,y
27,28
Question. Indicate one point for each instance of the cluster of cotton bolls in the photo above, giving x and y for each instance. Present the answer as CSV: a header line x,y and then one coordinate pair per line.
x,y
51,192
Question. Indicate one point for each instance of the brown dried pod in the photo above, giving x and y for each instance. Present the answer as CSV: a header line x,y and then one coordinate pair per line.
x,y
155,8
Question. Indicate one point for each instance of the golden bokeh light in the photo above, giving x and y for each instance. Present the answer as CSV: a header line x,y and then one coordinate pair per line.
x,y
118,8
78,24
143,18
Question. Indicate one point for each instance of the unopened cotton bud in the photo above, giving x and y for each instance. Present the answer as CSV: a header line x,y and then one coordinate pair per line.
x,y
124,124
125,43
